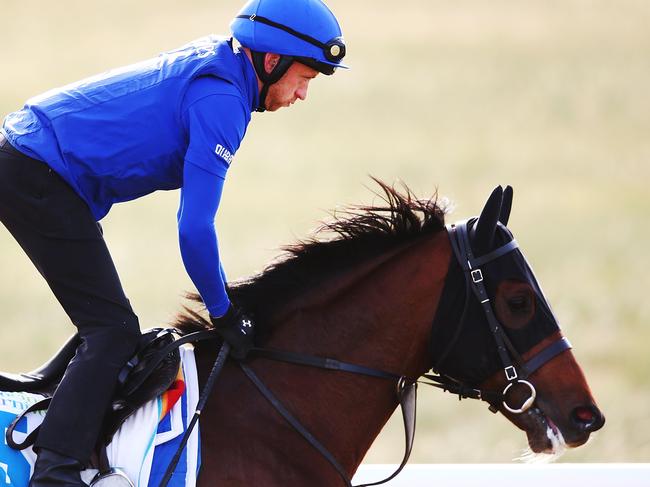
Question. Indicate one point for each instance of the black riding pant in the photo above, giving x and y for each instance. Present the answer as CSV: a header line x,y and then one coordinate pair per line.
x,y
56,229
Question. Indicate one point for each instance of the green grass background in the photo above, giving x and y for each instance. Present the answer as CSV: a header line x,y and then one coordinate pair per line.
x,y
549,96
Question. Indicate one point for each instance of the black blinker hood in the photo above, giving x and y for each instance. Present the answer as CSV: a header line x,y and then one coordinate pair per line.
x,y
464,348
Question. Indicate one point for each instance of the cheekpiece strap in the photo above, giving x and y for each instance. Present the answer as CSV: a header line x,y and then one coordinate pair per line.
x,y
460,242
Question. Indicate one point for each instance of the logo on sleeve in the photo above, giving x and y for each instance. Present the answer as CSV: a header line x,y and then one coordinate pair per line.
x,y
224,153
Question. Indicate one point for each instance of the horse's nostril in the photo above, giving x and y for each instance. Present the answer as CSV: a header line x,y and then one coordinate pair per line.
x,y
586,415
588,418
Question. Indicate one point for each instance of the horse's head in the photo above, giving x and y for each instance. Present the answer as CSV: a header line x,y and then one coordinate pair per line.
x,y
508,344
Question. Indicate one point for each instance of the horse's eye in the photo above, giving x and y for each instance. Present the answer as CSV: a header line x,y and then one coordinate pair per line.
x,y
519,303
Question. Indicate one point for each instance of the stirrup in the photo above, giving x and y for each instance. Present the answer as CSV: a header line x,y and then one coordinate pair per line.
x,y
114,477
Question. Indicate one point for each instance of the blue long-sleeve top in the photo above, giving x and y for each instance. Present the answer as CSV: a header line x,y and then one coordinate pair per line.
x,y
173,121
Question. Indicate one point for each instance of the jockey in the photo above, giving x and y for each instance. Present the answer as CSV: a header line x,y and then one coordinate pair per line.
x,y
175,121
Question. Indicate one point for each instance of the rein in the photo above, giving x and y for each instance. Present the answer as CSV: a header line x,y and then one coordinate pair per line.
x,y
406,394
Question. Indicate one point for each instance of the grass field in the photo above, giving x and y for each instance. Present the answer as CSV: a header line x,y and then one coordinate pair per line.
x,y
549,96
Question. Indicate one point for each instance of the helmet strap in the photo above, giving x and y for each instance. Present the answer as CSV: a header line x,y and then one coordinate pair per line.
x,y
284,63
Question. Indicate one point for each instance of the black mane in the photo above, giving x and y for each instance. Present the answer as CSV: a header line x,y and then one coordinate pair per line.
x,y
356,233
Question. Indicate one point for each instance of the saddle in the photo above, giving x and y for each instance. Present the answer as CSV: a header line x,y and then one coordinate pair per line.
x,y
144,377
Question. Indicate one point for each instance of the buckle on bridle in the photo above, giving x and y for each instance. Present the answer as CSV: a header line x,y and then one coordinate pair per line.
x,y
477,276
511,373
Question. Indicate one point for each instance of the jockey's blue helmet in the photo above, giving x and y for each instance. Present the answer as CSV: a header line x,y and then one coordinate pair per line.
x,y
298,30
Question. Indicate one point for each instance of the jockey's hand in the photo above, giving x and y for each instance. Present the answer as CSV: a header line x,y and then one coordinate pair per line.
x,y
238,329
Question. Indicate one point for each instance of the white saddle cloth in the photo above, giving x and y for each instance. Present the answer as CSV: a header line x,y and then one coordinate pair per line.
x,y
142,448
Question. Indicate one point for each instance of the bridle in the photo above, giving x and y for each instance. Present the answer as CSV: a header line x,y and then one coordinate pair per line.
x,y
517,373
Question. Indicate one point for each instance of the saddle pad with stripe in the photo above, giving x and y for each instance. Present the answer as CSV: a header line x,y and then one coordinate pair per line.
x,y
142,447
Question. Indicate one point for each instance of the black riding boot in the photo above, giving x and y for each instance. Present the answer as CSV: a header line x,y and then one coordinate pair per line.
x,y
55,470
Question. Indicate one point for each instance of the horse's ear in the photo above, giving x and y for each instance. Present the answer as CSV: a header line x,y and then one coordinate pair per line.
x,y
487,223
506,206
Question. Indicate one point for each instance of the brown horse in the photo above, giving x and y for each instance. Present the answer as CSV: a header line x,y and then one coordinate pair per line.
x,y
387,291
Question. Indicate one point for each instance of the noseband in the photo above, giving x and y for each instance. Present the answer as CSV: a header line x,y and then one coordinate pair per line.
x,y
515,374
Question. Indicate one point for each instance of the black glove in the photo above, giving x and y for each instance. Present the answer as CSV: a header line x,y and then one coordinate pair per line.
x,y
238,329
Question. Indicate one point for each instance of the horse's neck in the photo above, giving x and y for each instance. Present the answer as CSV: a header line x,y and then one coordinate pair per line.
x,y
380,318
372,313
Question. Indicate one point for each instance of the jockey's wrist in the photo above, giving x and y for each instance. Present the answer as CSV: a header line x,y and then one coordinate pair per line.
x,y
220,311
229,316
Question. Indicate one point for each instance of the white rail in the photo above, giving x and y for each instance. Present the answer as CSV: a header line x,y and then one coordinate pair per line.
x,y
512,475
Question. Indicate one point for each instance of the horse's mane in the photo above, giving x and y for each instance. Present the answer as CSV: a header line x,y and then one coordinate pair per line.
x,y
354,234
